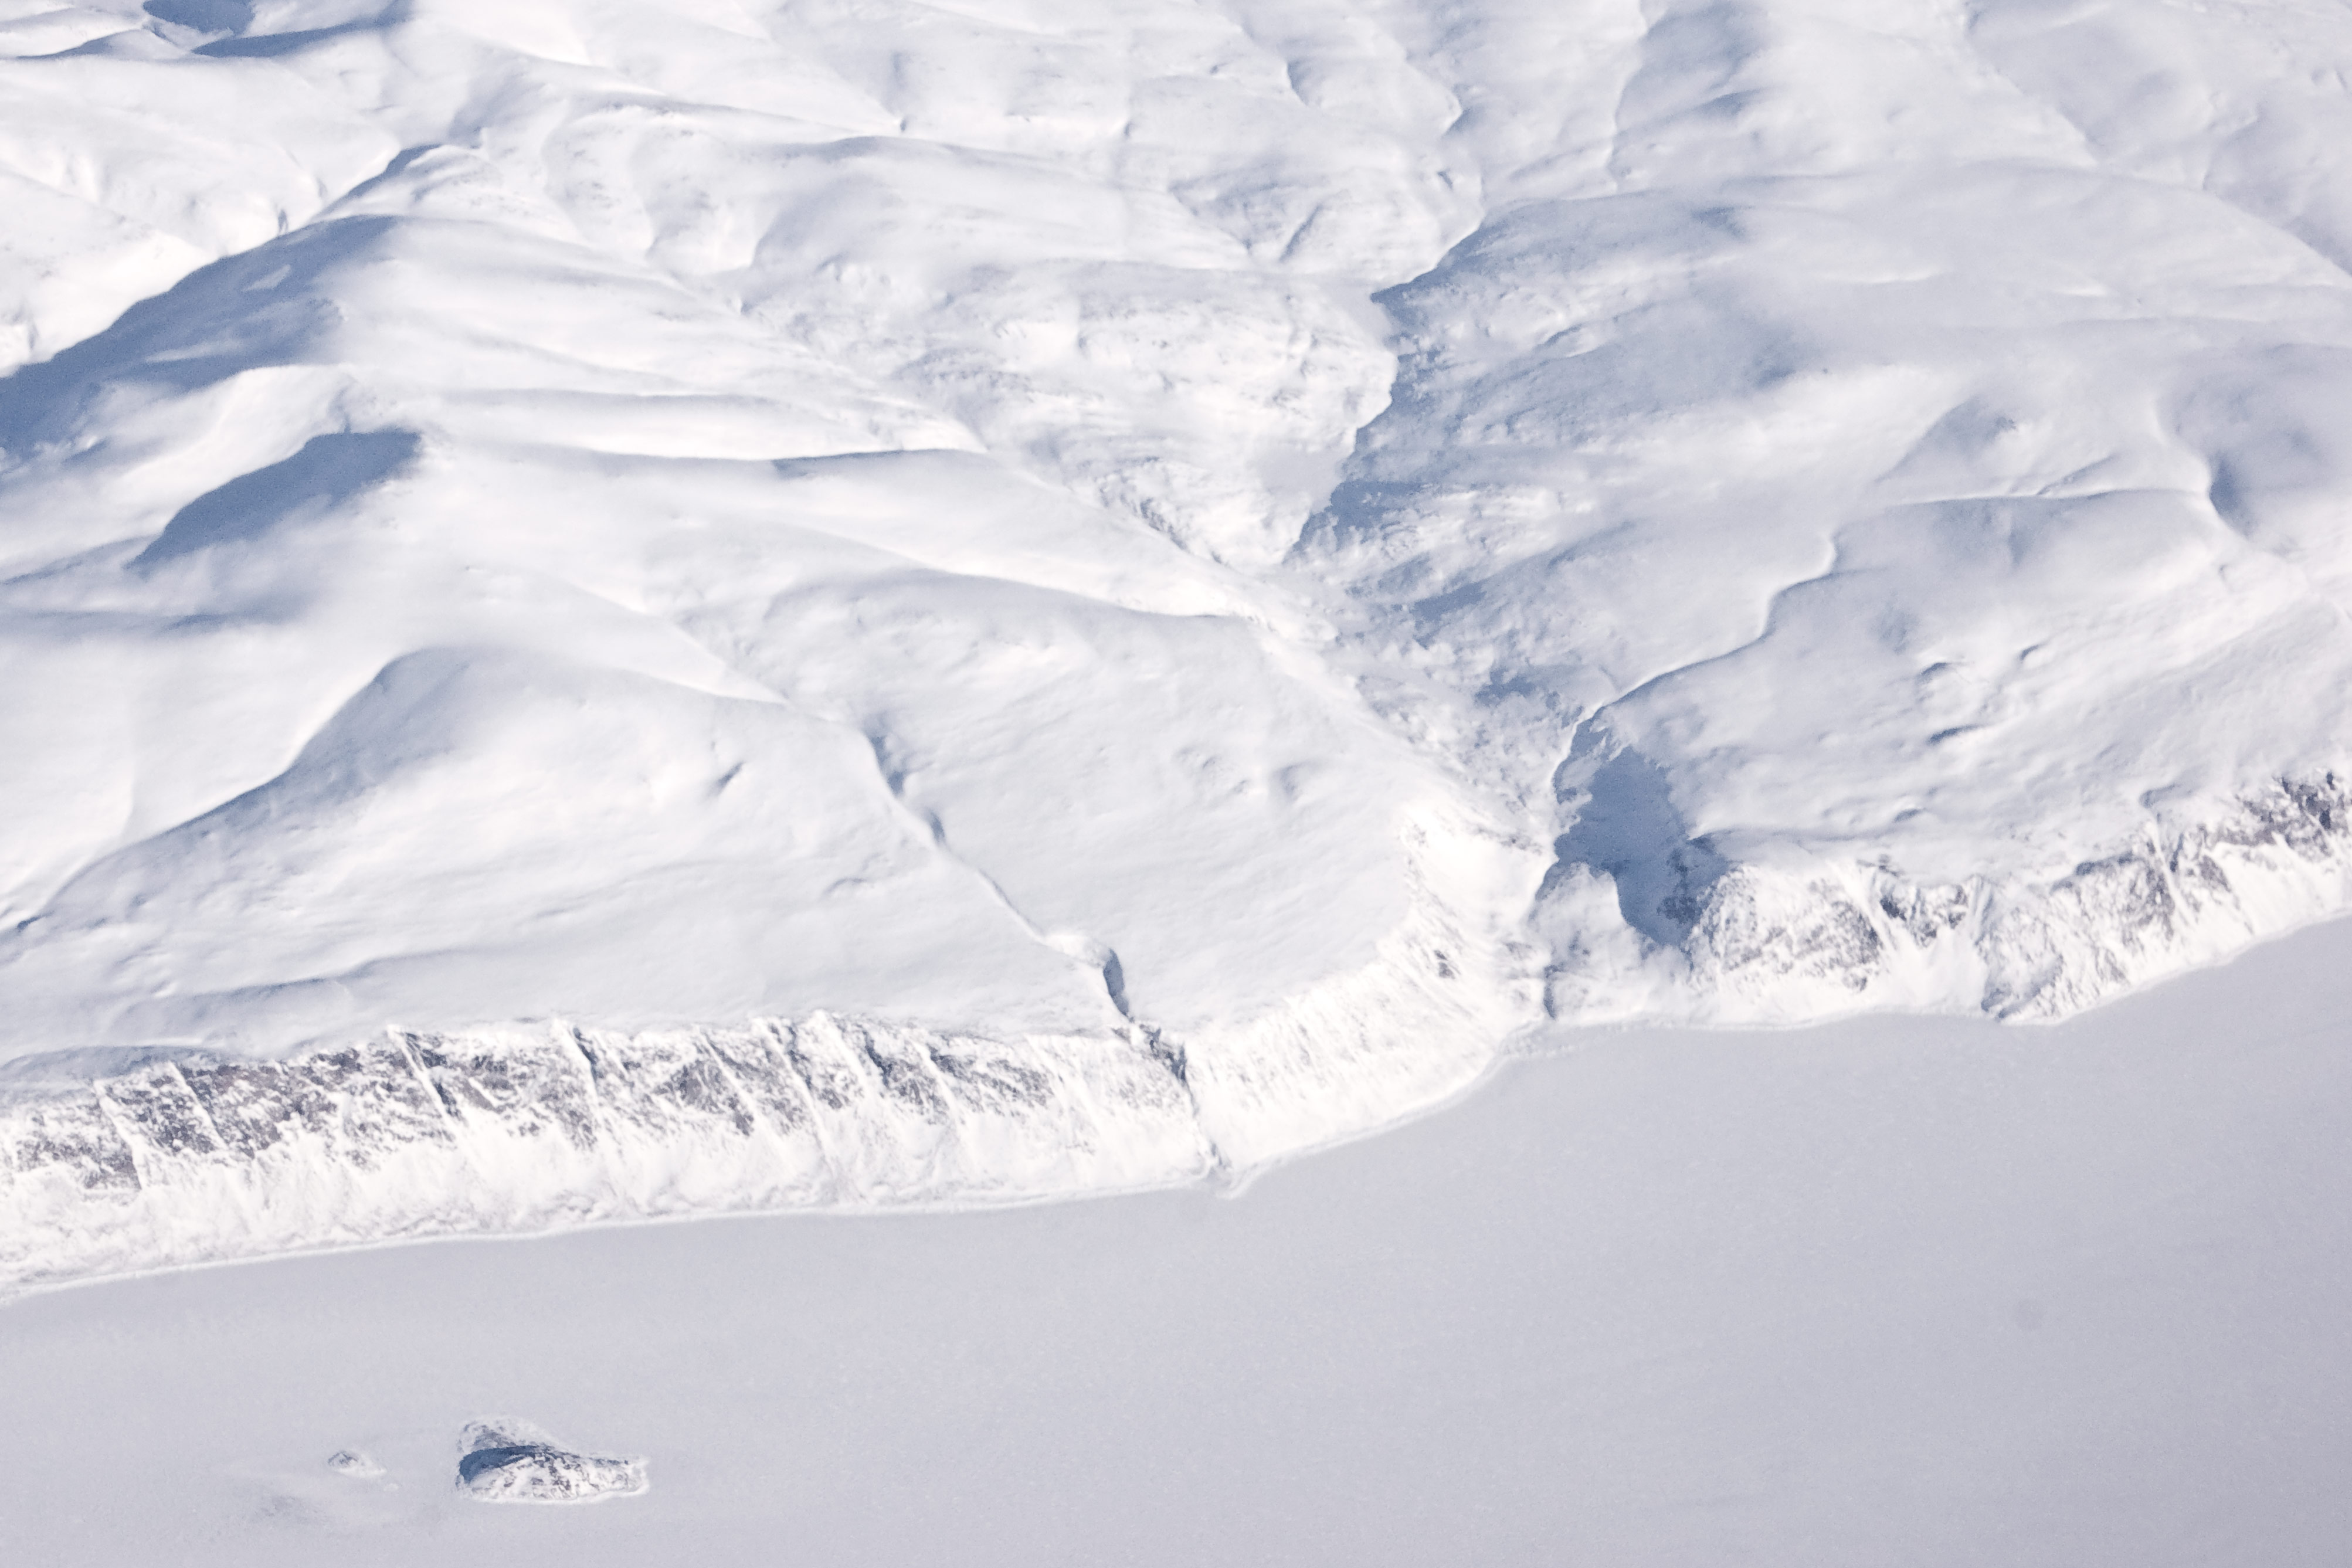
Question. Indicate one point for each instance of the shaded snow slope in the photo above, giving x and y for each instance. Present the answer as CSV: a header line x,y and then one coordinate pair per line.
x,y
1287,538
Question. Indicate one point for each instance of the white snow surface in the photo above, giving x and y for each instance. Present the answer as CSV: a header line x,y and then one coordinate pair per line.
x,y
614,607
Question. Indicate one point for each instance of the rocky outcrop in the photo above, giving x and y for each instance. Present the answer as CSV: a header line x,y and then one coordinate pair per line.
x,y
1787,942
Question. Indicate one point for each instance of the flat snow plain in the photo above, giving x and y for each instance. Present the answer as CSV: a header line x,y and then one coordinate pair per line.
x,y
1927,1292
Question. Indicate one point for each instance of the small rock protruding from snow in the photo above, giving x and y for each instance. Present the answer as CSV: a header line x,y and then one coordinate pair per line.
x,y
512,1461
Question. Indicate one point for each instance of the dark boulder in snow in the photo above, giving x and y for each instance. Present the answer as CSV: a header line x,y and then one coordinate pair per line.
x,y
512,1461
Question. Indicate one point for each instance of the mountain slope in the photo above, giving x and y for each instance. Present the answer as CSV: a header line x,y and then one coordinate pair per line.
x,y
1254,549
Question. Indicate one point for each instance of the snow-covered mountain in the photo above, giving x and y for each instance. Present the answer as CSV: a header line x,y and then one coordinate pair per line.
x,y
616,607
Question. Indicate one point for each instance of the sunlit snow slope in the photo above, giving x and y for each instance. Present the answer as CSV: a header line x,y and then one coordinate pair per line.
x,y
672,606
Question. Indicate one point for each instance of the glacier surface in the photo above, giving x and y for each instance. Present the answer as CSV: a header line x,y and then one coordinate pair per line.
x,y
617,607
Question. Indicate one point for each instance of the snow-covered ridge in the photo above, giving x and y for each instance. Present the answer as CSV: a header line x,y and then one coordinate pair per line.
x,y
1745,943
191,1156
194,1157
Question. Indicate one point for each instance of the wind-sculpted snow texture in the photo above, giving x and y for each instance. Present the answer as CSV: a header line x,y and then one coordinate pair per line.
x,y
1226,557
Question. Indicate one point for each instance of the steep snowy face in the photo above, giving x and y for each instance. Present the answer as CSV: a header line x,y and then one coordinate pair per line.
x,y
1273,540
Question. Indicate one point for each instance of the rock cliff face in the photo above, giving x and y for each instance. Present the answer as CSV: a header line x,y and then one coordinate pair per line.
x,y
1744,942
185,1161
192,1157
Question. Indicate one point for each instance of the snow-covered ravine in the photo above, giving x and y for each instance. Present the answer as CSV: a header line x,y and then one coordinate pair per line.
x,y
991,600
